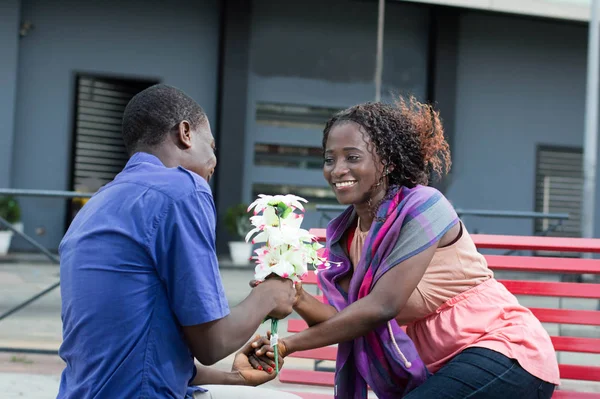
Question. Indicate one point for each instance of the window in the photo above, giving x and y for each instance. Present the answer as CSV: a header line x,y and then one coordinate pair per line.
x,y
314,195
286,146
98,150
288,156
292,115
559,184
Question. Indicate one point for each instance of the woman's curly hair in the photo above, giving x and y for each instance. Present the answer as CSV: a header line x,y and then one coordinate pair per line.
x,y
407,135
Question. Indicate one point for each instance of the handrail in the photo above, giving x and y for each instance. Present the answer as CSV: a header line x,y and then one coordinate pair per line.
x,y
473,212
53,258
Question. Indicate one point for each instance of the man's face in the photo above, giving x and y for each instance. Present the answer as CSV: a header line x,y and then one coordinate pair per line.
x,y
202,152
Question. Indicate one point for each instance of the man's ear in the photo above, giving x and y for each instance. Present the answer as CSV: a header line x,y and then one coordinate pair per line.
x,y
184,134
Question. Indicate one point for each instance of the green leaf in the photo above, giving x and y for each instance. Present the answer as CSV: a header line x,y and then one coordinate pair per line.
x,y
10,210
287,211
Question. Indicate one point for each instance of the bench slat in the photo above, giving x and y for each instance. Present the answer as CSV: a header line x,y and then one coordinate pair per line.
x,y
576,344
543,264
561,344
306,377
534,243
572,395
326,353
310,395
558,316
527,264
552,289
310,279
577,372
296,325
556,395
536,288
567,316
324,378
319,233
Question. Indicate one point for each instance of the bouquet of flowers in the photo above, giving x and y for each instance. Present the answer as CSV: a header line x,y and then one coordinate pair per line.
x,y
288,249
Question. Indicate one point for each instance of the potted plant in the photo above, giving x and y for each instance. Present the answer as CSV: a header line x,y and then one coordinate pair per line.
x,y
11,212
237,223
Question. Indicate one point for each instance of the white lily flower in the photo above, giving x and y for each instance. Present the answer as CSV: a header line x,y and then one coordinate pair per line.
x,y
264,201
288,249
282,262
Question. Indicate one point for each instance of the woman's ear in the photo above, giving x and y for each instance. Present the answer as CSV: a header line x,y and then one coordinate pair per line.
x,y
388,169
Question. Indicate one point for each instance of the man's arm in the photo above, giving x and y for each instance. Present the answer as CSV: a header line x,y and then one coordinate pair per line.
x,y
212,341
212,376
187,264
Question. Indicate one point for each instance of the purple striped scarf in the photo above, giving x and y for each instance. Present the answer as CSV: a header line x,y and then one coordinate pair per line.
x,y
408,223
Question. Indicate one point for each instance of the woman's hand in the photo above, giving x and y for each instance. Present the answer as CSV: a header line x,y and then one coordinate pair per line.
x,y
300,293
307,306
262,347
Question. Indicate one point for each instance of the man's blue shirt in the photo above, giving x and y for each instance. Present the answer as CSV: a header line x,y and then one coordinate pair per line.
x,y
137,263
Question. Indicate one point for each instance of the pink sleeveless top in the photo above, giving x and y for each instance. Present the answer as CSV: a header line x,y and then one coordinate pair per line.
x,y
458,304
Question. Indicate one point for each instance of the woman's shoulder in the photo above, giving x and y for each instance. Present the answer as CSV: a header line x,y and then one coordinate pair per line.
x,y
420,195
426,204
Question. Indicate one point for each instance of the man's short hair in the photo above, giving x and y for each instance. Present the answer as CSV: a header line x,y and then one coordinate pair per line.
x,y
154,112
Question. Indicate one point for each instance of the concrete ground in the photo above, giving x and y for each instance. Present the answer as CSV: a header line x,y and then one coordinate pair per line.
x,y
39,326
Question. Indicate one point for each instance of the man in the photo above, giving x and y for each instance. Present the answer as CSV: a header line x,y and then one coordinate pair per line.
x,y
141,290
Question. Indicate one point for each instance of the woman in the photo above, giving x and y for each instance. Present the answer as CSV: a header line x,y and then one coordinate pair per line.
x,y
405,258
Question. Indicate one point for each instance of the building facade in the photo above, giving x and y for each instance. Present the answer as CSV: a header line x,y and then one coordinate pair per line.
x,y
510,89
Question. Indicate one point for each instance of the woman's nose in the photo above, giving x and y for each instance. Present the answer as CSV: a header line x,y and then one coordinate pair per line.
x,y
339,170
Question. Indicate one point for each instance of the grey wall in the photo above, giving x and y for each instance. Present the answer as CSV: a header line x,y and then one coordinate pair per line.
x,y
175,42
232,110
9,42
520,83
445,24
323,54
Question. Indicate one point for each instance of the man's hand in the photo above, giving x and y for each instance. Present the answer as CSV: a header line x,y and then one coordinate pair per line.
x,y
279,290
254,370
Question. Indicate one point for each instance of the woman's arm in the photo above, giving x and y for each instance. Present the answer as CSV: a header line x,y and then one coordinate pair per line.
x,y
310,308
382,304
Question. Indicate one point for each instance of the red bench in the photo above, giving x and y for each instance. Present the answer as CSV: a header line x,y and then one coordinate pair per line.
x,y
517,287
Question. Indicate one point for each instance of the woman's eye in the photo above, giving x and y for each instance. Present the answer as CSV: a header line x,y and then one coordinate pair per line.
x,y
353,158
328,161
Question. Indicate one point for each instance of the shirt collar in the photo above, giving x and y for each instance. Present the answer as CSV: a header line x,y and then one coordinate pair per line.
x,y
141,157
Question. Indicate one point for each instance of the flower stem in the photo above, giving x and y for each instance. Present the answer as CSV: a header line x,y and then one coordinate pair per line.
x,y
274,323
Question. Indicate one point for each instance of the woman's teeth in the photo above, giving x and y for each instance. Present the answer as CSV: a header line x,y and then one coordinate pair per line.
x,y
345,184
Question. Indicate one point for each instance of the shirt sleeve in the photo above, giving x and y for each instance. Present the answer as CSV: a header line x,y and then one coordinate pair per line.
x,y
186,260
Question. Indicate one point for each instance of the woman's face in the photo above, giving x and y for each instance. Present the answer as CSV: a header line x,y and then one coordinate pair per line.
x,y
351,165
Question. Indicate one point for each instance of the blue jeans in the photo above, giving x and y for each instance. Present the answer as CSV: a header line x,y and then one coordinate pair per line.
x,y
482,373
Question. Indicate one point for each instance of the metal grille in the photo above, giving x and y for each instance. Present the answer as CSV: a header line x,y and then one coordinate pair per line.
x,y
286,115
288,156
559,184
99,153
